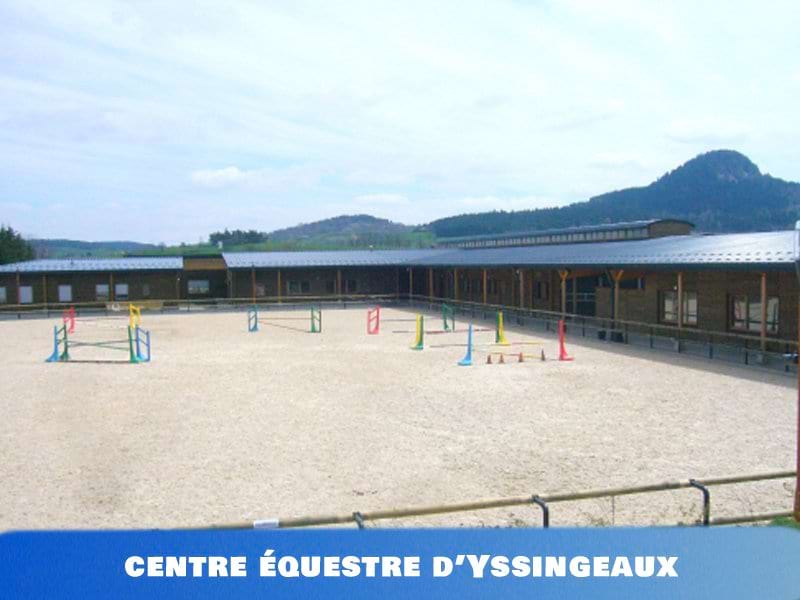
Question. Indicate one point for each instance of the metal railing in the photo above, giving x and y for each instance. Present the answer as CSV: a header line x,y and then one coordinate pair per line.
x,y
113,308
779,355
545,503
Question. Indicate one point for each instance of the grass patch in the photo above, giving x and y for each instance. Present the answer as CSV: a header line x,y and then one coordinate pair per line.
x,y
785,522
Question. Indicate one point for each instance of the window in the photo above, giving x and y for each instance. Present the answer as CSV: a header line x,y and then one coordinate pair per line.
x,y
65,293
101,291
3,295
690,308
198,287
330,286
746,314
25,294
298,287
261,289
121,291
145,290
350,286
541,290
669,307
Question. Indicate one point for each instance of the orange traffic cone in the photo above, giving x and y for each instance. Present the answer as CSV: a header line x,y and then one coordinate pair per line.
x,y
488,359
521,357
543,358
502,360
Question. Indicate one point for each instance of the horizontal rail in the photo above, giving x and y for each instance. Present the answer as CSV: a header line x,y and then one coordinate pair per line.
x,y
687,333
755,518
419,511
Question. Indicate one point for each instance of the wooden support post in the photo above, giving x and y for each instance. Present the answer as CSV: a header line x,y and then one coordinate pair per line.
x,y
280,285
485,288
339,283
111,292
431,293
532,295
574,295
410,282
253,283
680,300
44,290
617,276
563,275
763,312
522,288
455,285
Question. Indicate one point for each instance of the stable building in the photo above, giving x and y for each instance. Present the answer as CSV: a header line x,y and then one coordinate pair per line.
x,y
645,272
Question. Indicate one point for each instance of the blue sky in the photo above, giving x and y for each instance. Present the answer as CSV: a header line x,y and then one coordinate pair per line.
x,y
163,121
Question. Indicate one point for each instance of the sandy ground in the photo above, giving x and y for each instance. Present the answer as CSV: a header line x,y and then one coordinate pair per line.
x,y
225,425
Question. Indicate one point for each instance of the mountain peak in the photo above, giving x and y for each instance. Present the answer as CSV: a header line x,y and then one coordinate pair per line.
x,y
717,165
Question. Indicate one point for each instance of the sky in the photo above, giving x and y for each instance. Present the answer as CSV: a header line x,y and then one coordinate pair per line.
x,y
164,121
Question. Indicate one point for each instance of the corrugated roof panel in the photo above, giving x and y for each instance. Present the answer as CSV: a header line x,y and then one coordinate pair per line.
x,y
770,248
778,249
335,258
560,231
139,263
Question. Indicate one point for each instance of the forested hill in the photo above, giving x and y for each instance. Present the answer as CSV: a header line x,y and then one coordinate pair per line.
x,y
345,225
717,191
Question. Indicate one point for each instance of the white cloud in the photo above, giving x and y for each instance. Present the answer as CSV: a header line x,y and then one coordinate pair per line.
x,y
282,112
255,179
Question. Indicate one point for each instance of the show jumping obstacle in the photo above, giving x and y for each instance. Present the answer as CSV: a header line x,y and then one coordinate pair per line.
x,y
137,345
502,341
253,320
374,320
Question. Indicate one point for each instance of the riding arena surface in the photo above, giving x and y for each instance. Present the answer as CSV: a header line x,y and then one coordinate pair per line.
x,y
226,425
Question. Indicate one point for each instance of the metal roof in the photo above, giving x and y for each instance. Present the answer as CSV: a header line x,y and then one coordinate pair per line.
x,y
52,265
333,258
776,249
565,230
770,250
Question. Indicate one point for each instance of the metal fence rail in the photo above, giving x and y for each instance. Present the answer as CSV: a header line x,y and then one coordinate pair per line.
x,y
775,354
543,501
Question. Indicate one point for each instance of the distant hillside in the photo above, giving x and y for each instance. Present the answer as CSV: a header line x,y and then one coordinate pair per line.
x,y
349,231
77,249
343,226
718,191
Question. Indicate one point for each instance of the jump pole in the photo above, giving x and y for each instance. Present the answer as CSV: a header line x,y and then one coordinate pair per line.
x,y
467,360
419,341
499,331
68,317
252,319
448,316
374,320
562,347
316,319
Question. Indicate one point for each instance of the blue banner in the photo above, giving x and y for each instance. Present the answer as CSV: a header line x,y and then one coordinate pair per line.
x,y
748,562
